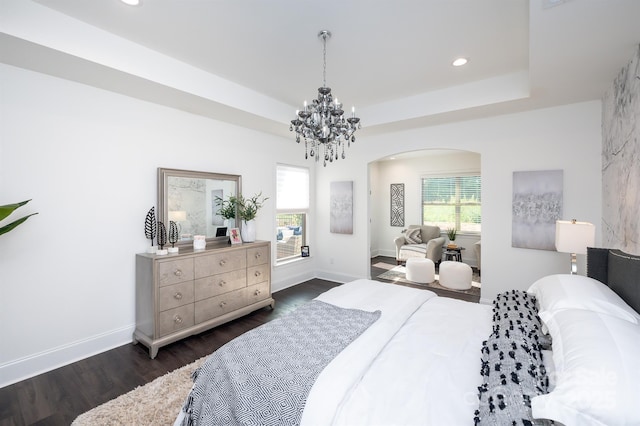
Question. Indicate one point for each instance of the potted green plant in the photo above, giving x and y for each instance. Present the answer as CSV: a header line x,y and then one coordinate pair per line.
x,y
452,233
227,210
6,210
227,207
247,210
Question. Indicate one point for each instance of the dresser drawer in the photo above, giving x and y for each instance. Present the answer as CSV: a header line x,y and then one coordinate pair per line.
x,y
172,296
258,292
175,319
220,284
220,262
175,271
258,274
257,256
219,305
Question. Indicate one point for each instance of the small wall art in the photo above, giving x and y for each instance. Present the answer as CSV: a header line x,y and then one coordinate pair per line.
x,y
397,204
341,208
537,204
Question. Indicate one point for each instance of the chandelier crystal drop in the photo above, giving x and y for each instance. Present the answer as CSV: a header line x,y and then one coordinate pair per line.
x,y
322,124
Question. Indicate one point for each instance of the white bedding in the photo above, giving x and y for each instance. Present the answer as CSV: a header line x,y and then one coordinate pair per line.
x,y
418,365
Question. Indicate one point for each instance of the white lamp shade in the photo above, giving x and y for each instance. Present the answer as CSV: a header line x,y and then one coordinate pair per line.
x,y
178,215
574,237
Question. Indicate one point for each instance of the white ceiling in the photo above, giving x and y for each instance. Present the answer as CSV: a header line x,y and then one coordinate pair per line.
x,y
391,59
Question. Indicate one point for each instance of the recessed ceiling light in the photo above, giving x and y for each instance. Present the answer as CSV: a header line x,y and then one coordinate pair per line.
x,y
131,2
459,62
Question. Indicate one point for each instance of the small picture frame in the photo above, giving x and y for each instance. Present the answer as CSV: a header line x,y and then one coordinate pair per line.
x,y
304,251
235,236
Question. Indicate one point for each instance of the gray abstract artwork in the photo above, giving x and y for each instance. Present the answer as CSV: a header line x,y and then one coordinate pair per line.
x,y
537,204
341,199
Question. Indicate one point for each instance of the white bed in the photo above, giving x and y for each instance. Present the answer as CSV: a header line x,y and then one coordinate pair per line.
x,y
423,348
420,362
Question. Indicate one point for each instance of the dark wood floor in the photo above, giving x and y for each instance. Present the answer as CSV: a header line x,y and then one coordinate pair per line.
x,y
59,396
391,261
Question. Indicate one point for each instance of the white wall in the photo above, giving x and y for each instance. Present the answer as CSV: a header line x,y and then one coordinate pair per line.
x,y
409,170
567,138
88,159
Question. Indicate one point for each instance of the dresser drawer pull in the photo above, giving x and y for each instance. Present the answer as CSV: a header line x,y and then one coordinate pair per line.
x,y
177,272
257,273
177,319
223,262
257,293
177,296
222,283
223,304
258,254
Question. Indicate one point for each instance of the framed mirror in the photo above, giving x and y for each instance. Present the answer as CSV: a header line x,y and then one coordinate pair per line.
x,y
190,199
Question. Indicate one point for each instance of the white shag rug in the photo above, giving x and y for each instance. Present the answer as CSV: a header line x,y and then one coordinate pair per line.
x,y
156,403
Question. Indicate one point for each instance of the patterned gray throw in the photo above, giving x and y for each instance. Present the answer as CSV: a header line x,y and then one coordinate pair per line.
x,y
264,376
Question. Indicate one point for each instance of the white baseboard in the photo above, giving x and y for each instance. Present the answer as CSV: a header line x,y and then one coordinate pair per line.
x,y
387,253
291,281
24,368
338,278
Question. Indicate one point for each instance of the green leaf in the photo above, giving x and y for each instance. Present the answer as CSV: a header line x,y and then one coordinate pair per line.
x,y
15,223
9,208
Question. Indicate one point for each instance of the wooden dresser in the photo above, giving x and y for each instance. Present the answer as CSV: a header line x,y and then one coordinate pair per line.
x,y
183,294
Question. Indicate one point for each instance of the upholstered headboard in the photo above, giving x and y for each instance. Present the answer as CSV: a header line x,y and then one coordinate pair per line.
x,y
618,270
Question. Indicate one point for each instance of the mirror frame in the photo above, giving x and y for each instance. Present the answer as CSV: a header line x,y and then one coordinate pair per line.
x,y
163,209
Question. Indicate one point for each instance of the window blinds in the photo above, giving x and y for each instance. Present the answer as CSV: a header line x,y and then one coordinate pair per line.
x,y
292,188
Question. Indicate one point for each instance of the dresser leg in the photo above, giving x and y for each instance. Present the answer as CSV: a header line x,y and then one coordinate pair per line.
x,y
273,304
153,351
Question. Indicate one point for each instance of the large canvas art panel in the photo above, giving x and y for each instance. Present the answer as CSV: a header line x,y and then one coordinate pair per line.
x,y
341,199
537,204
620,159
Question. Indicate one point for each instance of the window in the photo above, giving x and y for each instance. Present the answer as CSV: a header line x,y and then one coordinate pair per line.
x,y
292,210
452,202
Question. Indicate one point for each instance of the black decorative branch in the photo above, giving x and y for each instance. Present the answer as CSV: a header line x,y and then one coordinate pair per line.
x,y
174,233
162,235
150,225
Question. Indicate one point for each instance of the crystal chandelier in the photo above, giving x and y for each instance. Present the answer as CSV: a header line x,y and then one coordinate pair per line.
x,y
322,124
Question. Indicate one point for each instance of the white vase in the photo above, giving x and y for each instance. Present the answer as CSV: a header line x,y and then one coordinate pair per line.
x,y
248,231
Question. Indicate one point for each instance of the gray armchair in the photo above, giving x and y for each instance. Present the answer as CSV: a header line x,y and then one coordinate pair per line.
x,y
478,248
430,247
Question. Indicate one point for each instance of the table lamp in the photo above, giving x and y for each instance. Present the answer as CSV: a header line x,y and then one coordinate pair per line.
x,y
574,237
178,215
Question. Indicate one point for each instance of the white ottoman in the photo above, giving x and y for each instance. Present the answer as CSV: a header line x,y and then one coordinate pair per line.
x,y
455,275
420,270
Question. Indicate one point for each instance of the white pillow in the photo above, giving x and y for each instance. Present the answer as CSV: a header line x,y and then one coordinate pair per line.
x,y
286,234
563,291
597,375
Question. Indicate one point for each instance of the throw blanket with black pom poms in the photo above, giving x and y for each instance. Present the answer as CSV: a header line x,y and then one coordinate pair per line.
x,y
512,367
